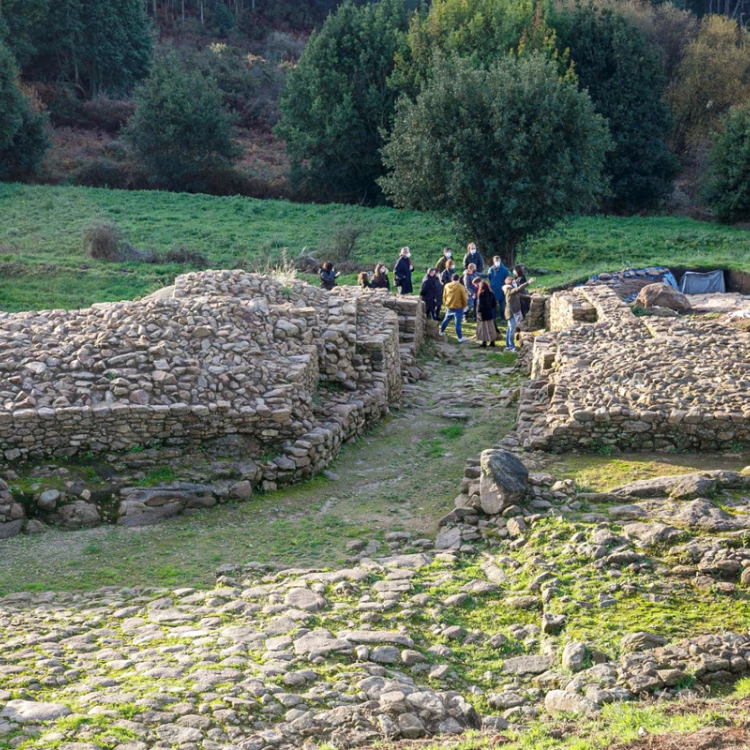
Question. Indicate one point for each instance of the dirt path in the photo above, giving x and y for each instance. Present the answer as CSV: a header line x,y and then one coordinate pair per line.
x,y
403,475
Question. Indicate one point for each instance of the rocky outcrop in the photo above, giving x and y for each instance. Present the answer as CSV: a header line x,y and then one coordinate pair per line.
x,y
663,295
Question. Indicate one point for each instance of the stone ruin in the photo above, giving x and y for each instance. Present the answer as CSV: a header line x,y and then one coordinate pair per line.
x,y
604,379
280,373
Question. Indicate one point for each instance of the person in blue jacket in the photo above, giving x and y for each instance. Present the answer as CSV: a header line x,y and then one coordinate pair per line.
x,y
497,275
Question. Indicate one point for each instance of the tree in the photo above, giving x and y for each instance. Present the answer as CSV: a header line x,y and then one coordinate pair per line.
x,y
505,151
23,139
712,77
728,186
223,20
98,46
18,21
625,82
180,130
338,103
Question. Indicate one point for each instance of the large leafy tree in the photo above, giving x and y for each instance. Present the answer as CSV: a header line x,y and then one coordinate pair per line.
x,y
481,30
728,186
505,151
338,102
23,139
625,81
180,130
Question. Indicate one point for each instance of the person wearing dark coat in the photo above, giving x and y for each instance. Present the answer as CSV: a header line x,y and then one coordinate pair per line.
x,y
486,311
431,292
447,276
402,272
473,256
380,278
328,275
520,277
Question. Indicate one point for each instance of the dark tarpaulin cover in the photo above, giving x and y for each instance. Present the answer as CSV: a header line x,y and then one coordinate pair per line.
x,y
703,283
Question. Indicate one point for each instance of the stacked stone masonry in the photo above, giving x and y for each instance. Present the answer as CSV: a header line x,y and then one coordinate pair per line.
x,y
286,369
602,378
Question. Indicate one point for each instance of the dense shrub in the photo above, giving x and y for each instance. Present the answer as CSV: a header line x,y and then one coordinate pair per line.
x,y
103,240
728,188
108,173
23,138
625,82
180,130
337,102
712,77
504,151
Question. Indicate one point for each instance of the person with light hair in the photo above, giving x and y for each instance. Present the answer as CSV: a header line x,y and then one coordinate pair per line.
x,y
473,256
402,272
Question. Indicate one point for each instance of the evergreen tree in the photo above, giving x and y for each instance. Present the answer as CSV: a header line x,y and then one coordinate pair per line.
x,y
728,187
626,84
23,140
338,103
99,46
180,130
505,151
19,20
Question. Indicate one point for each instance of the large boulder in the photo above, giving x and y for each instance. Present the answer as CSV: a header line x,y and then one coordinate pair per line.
x,y
663,295
504,481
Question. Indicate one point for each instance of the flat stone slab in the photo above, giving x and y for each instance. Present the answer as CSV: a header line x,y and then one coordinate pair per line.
x,y
30,712
522,665
376,636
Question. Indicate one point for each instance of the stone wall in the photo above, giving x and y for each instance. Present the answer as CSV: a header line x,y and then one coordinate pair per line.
x,y
225,363
627,383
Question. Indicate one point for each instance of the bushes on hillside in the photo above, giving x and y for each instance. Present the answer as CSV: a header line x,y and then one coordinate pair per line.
x,y
338,102
23,140
728,187
712,77
180,130
625,82
505,151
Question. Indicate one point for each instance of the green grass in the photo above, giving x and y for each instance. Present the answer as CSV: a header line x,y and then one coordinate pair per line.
x,y
43,265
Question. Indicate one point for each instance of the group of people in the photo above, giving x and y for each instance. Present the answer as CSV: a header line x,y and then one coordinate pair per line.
x,y
483,297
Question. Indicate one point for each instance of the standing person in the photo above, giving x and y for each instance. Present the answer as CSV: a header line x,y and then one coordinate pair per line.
x,y
486,311
513,312
431,292
402,272
473,256
444,258
456,302
363,280
447,275
497,275
470,277
525,298
380,278
328,275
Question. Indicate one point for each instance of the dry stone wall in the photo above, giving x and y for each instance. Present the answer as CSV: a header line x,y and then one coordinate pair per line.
x,y
228,361
628,383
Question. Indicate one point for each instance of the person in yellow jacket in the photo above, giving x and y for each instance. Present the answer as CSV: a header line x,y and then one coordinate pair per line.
x,y
456,302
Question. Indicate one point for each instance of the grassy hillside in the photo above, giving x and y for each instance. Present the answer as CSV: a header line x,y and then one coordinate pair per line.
x,y
43,265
